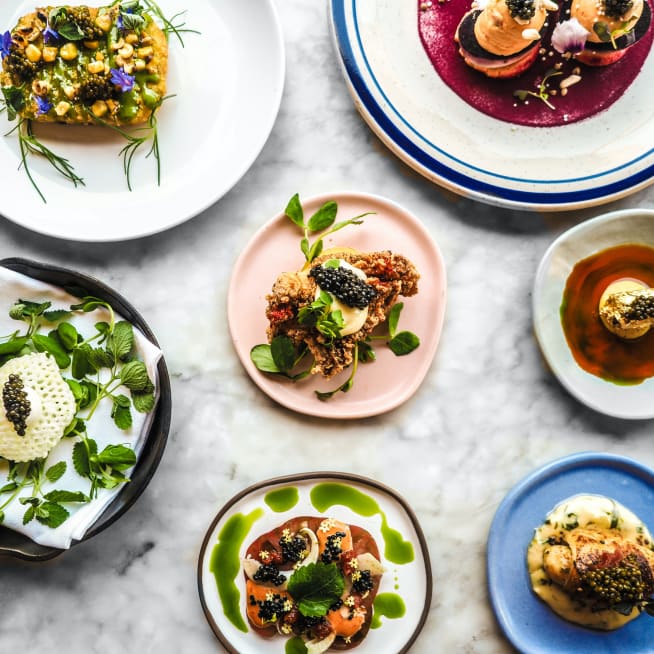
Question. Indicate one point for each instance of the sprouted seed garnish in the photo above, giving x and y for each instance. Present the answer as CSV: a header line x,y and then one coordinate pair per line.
x,y
281,356
542,93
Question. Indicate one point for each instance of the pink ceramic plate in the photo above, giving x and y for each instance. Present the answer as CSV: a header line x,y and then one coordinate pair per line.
x,y
379,386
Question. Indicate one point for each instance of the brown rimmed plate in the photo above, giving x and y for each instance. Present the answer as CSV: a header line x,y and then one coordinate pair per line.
x,y
19,546
412,581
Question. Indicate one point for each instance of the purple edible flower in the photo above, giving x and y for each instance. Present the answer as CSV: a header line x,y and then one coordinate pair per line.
x,y
5,44
49,34
121,79
43,105
569,36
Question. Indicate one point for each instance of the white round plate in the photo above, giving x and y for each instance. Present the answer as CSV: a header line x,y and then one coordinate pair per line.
x,y
609,230
430,128
227,82
388,381
411,581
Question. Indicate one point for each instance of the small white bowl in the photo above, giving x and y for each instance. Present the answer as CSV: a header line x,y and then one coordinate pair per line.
x,y
580,242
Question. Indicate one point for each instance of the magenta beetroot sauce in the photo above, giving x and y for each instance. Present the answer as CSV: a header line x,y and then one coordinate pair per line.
x,y
598,89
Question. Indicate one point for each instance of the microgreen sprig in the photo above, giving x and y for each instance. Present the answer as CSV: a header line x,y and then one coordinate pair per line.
x,y
542,93
30,144
321,220
606,35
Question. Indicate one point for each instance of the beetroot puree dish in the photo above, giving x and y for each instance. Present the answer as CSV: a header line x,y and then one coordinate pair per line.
x,y
313,579
530,82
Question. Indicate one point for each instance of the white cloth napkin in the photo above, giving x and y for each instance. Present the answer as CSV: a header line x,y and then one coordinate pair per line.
x,y
101,427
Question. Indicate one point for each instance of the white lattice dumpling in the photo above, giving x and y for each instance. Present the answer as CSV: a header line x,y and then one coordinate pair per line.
x,y
51,408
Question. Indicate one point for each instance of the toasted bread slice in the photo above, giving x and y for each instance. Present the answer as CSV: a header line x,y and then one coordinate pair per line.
x,y
85,65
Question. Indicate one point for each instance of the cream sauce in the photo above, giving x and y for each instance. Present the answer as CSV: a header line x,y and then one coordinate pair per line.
x,y
581,511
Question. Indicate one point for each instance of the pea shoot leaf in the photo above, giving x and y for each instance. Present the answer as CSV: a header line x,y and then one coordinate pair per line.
x,y
404,343
324,217
121,342
283,353
134,375
51,514
67,335
261,356
294,210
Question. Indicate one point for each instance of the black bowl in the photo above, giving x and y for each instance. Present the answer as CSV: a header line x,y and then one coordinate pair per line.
x,y
20,546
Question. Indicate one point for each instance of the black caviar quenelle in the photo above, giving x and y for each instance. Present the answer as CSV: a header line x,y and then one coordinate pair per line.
x,y
344,285
294,548
17,406
523,9
362,581
268,572
333,551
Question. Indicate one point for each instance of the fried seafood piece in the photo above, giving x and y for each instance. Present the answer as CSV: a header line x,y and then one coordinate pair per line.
x,y
390,275
85,65
629,313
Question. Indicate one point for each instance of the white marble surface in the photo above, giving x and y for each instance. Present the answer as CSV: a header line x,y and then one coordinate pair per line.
x,y
487,414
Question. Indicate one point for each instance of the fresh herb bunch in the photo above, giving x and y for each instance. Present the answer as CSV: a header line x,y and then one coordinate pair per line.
x,y
100,365
282,357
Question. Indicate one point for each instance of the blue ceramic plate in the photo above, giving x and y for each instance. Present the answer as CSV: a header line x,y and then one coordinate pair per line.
x,y
527,621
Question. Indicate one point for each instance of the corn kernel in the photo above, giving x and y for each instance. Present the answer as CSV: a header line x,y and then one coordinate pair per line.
x,y
69,51
49,54
99,108
62,108
103,21
33,53
131,38
95,67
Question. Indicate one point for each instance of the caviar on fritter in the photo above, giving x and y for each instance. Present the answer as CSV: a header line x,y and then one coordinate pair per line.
x,y
344,285
523,9
294,547
617,8
333,551
17,406
97,87
640,309
269,572
616,584
362,581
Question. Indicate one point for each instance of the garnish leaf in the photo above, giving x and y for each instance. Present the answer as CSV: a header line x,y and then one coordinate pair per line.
x,y
14,101
51,514
324,217
283,353
56,472
48,344
67,335
294,210
119,457
122,340
315,587
261,356
66,496
404,343
394,318
121,413
134,375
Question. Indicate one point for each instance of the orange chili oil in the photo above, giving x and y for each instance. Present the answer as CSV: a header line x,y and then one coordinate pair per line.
x,y
594,348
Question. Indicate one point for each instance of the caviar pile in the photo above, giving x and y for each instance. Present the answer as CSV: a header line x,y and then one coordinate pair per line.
x,y
97,87
17,406
617,584
294,548
617,8
272,608
269,572
362,581
344,285
81,17
20,67
333,549
640,309
523,9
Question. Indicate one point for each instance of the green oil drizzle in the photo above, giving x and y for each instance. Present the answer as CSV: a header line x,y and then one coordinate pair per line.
x,y
282,499
225,564
323,496
295,646
389,605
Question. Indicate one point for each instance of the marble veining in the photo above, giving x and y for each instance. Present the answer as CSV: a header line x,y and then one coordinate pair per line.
x,y
487,414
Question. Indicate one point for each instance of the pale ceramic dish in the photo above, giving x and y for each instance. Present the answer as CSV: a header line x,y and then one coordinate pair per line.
x,y
529,623
378,386
431,129
411,581
609,230
228,84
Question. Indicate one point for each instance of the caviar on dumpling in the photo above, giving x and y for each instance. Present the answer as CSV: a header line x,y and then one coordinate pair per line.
x,y
37,406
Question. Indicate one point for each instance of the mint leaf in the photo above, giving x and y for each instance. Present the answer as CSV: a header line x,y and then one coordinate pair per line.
x,y
28,516
51,514
121,413
82,365
67,335
56,315
51,346
404,343
143,401
134,375
119,457
100,358
66,496
324,217
294,210
56,472
8,488
81,458
121,342
315,587
13,346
